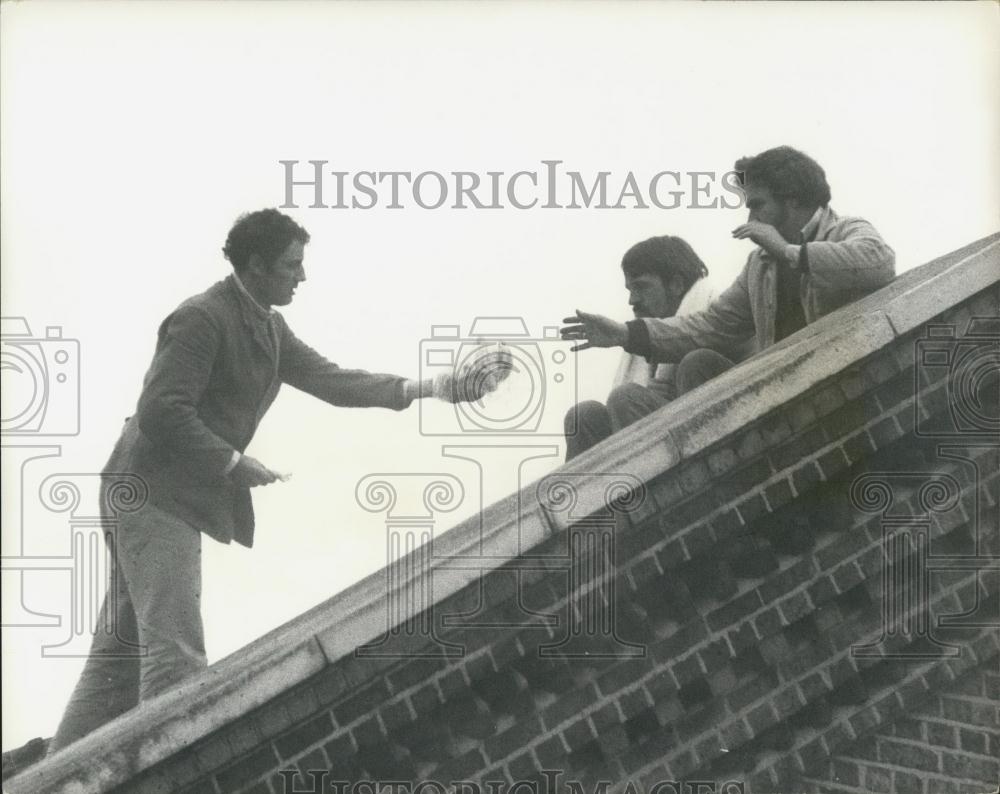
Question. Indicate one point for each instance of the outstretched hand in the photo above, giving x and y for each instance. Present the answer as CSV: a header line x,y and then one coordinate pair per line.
x,y
595,330
480,375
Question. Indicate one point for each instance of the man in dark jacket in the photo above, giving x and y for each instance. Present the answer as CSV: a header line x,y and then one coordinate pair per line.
x,y
220,359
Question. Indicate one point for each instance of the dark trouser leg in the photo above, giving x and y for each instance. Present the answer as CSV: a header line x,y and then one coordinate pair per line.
x,y
630,402
698,367
585,425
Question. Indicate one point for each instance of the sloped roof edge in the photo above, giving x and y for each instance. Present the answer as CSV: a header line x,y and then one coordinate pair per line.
x,y
302,647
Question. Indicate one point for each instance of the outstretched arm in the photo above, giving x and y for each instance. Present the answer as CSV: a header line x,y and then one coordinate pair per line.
x,y
724,326
726,323
305,369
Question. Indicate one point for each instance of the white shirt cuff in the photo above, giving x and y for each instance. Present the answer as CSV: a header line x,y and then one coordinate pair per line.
x,y
232,462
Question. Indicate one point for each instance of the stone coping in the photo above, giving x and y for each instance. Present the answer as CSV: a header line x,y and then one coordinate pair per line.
x,y
330,631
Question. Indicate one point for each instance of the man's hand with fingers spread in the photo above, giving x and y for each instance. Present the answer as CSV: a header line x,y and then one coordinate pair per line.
x,y
595,330
250,472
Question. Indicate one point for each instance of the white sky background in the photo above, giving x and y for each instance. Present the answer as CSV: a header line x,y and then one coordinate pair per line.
x,y
133,134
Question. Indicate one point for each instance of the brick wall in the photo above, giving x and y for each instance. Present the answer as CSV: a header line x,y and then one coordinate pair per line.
x,y
749,638
801,592
948,743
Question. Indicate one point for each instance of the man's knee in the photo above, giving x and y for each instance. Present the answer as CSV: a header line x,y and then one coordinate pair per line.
x,y
588,414
585,424
624,396
698,367
630,402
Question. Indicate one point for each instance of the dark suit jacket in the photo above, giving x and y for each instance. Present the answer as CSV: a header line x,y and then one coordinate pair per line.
x,y
218,365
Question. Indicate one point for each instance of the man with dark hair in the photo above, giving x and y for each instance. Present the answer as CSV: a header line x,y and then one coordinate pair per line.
x,y
808,262
664,277
220,359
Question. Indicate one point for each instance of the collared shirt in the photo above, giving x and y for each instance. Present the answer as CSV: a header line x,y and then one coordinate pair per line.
x,y
808,231
266,316
266,313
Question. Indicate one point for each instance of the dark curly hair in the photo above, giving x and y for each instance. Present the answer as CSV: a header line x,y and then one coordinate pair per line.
x,y
664,257
264,232
788,174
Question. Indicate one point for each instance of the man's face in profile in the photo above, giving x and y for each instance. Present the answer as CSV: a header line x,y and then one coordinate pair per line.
x,y
648,296
286,272
763,207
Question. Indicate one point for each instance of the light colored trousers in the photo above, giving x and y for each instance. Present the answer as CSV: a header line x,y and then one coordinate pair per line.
x,y
149,635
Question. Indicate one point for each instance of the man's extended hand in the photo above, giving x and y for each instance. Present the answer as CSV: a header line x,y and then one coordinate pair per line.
x,y
596,331
250,472
764,235
479,375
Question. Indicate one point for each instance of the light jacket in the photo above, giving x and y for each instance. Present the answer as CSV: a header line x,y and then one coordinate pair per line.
x,y
844,259
660,377
220,360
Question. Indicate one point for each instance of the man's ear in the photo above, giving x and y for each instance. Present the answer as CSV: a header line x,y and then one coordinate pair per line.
x,y
675,286
256,265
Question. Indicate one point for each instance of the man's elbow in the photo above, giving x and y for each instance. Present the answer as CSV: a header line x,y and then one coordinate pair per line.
x,y
883,263
158,419
877,260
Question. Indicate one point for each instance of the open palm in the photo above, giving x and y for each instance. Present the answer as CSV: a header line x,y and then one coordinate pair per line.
x,y
595,330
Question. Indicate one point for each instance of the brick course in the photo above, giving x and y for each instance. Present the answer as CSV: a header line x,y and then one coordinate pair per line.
x,y
800,708
749,643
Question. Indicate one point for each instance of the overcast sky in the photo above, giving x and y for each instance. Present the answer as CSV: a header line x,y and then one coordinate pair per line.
x,y
134,134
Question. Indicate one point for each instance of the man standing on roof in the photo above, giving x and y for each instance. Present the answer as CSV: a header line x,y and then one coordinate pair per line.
x,y
220,359
808,262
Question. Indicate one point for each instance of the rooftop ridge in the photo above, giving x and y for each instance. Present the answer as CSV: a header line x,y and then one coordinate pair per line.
x,y
682,431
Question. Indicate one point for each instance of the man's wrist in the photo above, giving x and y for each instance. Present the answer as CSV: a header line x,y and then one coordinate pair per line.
x,y
233,460
791,254
417,389
637,339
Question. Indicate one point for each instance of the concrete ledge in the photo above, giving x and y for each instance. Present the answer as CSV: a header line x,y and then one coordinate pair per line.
x,y
334,629
722,406
165,725
915,307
